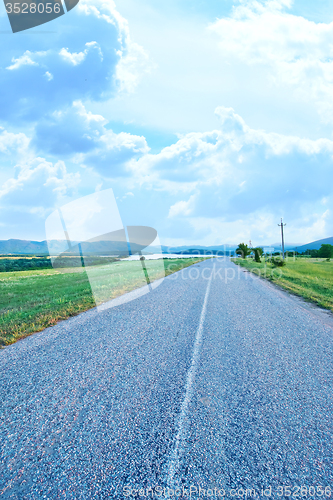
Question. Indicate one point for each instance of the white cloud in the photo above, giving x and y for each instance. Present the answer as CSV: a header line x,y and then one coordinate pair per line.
x,y
39,183
230,183
182,208
81,135
13,144
76,58
113,152
235,128
131,67
133,59
26,60
44,87
243,180
28,197
48,76
295,51
92,62
260,32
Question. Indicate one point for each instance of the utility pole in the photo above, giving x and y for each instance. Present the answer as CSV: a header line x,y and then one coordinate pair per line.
x,y
281,225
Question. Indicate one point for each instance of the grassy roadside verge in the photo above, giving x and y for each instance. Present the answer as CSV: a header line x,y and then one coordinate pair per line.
x,y
311,279
33,300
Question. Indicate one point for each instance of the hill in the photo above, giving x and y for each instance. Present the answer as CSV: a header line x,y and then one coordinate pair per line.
x,y
315,245
25,247
14,246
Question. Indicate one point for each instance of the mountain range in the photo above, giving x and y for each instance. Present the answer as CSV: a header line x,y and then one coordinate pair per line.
x,y
26,247
314,245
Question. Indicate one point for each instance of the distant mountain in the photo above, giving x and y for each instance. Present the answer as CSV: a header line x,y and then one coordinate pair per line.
x,y
23,247
314,245
287,246
18,247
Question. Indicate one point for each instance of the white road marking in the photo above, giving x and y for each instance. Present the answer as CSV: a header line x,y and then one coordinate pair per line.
x,y
174,460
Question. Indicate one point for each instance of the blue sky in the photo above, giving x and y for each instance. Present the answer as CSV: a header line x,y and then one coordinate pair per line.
x,y
210,120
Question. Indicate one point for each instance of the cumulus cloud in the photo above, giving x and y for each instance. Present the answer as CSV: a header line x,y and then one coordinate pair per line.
x,y
25,60
227,184
68,131
133,64
182,207
47,86
31,194
92,57
76,58
13,144
48,75
83,136
236,174
295,51
37,185
113,152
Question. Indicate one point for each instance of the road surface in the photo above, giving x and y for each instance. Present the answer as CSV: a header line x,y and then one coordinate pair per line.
x,y
215,385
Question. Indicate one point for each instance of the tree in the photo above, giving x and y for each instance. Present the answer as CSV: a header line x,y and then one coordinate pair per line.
x,y
326,251
314,253
243,250
258,251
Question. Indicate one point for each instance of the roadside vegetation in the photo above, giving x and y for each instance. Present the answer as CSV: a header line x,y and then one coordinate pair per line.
x,y
8,264
308,277
32,263
35,299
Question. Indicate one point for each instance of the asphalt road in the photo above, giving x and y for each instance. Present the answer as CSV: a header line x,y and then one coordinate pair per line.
x,y
211,381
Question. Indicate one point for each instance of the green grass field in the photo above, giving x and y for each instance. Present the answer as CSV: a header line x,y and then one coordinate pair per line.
x,y
308,278
33,300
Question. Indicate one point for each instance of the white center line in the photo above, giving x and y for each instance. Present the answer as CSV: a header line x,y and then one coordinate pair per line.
x,y
174,460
